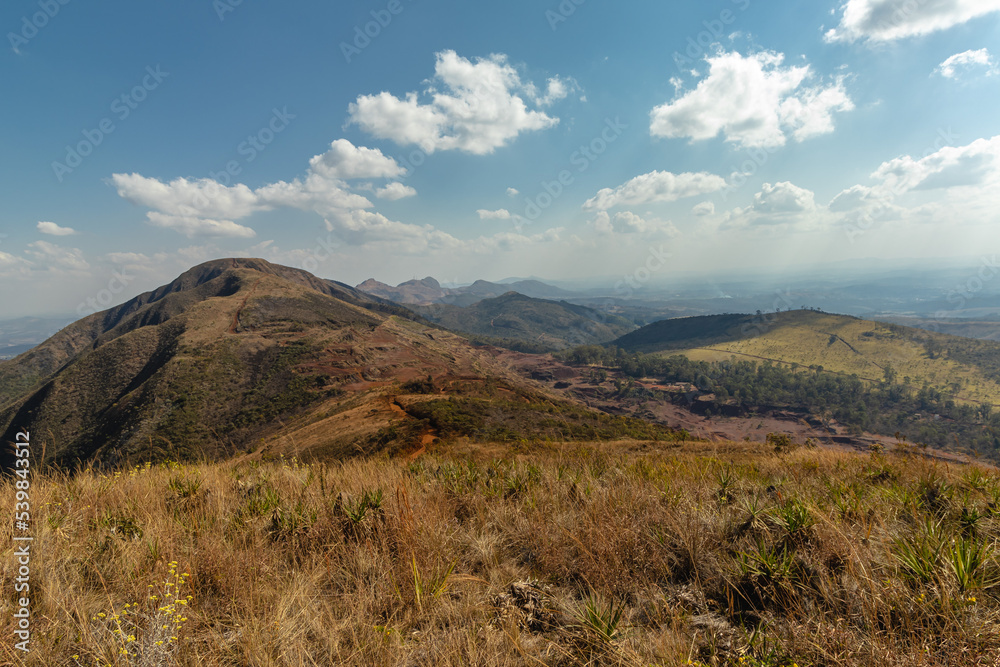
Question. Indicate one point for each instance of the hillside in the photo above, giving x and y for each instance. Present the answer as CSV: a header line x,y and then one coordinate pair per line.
x,y
541,323
238,355
966,369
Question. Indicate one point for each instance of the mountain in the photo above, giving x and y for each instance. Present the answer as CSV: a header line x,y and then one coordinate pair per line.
x,y
429,291
967,369
515,317
232,354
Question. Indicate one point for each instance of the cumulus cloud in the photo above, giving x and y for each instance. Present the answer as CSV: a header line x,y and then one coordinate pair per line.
x,y
968,60
395,191
206,208
192,227
557,89
889,20
501,214
344,160
188,198
52,229
754,101
627,222
965,179
361,227
513,192
656,186
703,209
974,165
57,257
7,259
474,107
127,258
784,205
855,197
783,198
508,241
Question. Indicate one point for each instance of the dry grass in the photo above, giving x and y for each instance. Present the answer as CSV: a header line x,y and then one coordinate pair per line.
x,y
805,338
571,555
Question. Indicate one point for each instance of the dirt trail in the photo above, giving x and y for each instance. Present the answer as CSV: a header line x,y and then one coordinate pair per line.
x,y
236,316
428,436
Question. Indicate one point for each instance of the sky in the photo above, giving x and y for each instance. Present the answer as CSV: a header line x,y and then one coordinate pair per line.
x,y
561,139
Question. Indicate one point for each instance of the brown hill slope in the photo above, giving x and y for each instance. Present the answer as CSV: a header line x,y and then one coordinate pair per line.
x,y
219,360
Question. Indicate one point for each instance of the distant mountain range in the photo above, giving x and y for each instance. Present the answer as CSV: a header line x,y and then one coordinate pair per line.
x,y
429,291
240,354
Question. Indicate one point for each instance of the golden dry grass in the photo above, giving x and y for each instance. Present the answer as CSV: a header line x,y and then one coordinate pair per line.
x,y
861,347
619,555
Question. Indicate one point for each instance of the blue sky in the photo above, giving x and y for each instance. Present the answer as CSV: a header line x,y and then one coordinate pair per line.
x,y
485,140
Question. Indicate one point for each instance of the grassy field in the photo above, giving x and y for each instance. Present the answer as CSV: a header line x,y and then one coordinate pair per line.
x,y
623,553
852,346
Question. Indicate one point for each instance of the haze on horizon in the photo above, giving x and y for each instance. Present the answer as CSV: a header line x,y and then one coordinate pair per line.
x,y
562,140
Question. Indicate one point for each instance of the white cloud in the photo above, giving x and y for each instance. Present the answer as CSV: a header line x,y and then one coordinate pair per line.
x,y
855,197
965,181
192,226
344,160
53,229
502,214
703,209
779,205
57,257
656,186
513,192
967,60
395,191
889,20
360,227
473,107
974,165
315,193
783,198
627,222
184,198
558,89
753,101
507,241
127,258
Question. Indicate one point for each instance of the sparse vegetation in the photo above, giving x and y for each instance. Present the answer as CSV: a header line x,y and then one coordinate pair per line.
x,y
572,554
922,415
